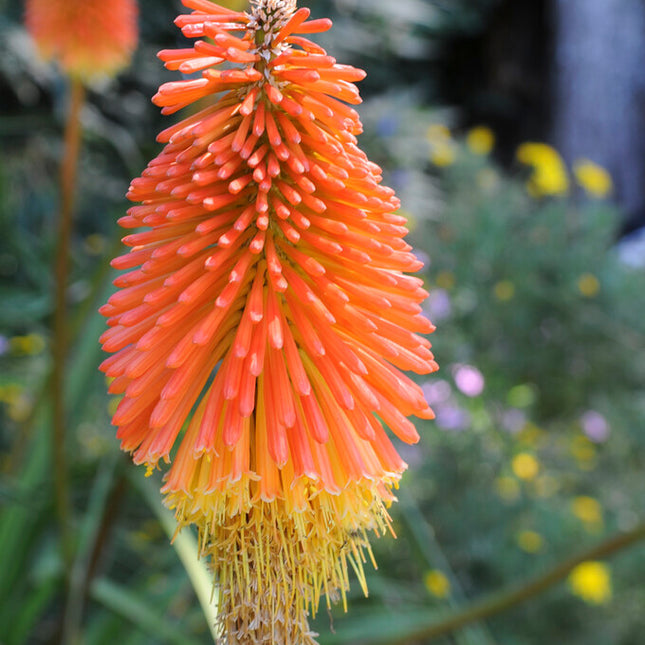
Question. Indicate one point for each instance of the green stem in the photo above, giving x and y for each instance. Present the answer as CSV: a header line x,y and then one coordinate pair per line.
x,y
61,269
500,602
12,463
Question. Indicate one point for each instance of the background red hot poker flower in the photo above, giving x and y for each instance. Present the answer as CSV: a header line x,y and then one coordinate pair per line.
x,y
86,37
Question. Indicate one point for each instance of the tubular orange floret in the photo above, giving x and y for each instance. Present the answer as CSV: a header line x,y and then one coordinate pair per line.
x,y
267,311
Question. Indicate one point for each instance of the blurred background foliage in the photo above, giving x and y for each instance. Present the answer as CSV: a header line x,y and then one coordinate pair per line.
x,y
538,448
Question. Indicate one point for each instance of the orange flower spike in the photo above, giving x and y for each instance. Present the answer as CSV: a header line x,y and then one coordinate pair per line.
x,y
89,38
269,296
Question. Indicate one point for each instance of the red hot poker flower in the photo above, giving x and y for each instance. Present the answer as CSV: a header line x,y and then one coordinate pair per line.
x,y
86,37
267,315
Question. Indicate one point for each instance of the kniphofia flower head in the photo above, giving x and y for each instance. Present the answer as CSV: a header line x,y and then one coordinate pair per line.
x,y
260,335
87,38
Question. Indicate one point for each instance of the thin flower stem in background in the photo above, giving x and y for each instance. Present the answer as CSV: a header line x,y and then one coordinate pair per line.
x,y
67,186
76,327
501,602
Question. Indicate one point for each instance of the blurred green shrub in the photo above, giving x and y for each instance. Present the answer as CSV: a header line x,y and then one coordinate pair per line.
x,y
537,448
537,293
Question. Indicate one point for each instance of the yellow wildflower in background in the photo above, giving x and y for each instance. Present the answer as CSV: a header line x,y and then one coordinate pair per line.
x,y
584,452
443,154
18,402
411,220
10,393
442,148
438,132
437,584
549,176
591,581
504,290
589,285
594,179
530,435
480,140
113,405
507,488
95,244
29,345
587,510
525,466
530,541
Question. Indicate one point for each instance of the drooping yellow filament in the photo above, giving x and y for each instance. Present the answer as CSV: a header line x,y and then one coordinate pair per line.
x,y
274,561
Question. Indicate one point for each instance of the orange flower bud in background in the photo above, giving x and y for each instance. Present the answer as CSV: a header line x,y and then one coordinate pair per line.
x,y
87,38
260,335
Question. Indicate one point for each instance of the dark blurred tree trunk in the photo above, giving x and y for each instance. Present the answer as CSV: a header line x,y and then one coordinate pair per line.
x,y
599,91
498,74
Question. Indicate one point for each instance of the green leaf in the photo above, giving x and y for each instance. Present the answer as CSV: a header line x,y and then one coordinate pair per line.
x,y
32,606
132,607
20,519
20,307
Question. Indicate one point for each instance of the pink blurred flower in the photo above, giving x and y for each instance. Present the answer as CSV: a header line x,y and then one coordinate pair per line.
x,y
469,380
595,426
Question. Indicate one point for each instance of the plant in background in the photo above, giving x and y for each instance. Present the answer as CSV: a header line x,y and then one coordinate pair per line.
x,y
546,305
87,39
267,314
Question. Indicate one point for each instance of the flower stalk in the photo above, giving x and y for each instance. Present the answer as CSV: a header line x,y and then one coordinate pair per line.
x,y
67,33
68,173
